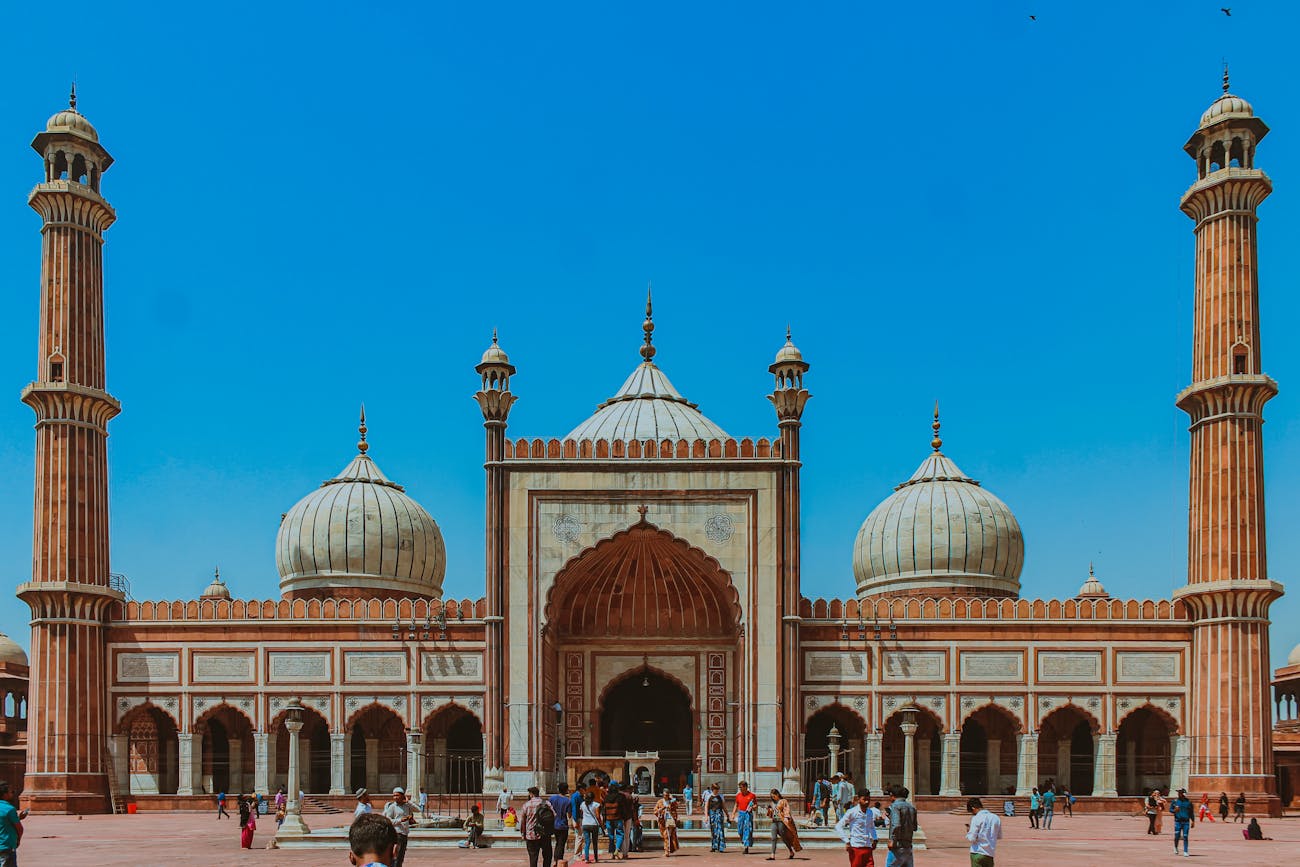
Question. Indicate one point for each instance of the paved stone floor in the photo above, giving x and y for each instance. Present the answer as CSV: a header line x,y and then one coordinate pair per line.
x,y
184,839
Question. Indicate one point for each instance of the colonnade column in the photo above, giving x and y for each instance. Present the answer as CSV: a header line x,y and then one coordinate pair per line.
x,y
993,766
950,766
236,766
1063,756
923,780
440,764
1181,765
372,764
1026,765
414,762
1130,766
874,763
1103,773
261,763
338,762
188,745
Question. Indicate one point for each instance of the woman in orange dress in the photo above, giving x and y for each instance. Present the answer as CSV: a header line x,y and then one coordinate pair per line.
x,y
783,827
666,815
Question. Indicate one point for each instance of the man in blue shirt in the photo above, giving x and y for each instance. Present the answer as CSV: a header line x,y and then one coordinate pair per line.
x,y
1049,807
11,831
1182,808
561,806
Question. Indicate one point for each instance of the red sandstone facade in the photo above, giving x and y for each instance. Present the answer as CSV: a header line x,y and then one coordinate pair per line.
x,y
651,524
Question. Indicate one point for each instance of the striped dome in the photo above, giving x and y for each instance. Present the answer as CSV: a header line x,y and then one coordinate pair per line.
x,y
359,534
647,407
939,533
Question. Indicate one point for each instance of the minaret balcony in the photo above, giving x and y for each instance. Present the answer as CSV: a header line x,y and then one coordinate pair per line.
x,y
1238,395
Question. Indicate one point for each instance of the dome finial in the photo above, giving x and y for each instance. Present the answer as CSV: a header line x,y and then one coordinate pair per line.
x,y
362,445
648,351
937,442
216,573
787,333
1225,76
494,336
72,97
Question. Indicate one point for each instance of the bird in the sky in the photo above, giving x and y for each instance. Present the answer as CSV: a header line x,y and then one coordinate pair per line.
x,y
1033,17
1226,11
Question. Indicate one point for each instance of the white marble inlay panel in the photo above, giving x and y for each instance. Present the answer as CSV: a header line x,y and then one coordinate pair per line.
x,y
1132,666
1069,666
371,667
283,667
466,667
148,667
223,668
835,666
992,667
914,665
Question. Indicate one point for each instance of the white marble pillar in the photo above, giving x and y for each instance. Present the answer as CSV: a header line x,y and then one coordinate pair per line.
x,y
1027,765
338,763
261,764
874,765
909,756
372,764
1103,774
120,748
188,746
293,825
1181,764
236,746
414,763
950,766
993,767
924,785
1063,757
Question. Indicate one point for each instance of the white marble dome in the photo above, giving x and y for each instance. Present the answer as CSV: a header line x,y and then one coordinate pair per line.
x,y
11,651
1294,657
1226,106
359,534
940,533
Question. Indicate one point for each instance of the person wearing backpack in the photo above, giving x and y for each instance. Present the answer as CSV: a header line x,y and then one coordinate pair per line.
x,y
537,824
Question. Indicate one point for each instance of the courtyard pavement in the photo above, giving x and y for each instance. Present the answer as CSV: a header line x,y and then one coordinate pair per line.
x,y
182,839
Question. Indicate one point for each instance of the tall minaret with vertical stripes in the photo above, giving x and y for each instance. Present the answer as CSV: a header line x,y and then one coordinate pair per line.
x,y
1228,590
69,591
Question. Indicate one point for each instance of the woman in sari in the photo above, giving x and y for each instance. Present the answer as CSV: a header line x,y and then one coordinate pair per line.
x,y
783,828
666,815
247,822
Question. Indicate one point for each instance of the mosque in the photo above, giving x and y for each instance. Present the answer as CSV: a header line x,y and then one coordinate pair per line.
x,y
647,521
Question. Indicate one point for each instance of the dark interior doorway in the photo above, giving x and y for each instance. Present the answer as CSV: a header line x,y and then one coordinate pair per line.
x,y
647,711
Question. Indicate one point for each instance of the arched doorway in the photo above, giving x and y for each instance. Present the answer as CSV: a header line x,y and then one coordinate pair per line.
x,y
152,751
1143,759
453,752
990,750
313,753
378,741
646,711
227,744
816,749
927,753
1066,751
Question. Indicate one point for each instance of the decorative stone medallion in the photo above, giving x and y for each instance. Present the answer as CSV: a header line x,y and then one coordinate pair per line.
x,y
719,528
567,528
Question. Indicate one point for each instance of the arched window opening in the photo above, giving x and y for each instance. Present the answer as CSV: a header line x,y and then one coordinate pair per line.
x,y
1240,359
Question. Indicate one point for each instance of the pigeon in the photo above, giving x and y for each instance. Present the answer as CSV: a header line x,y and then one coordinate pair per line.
x,y
1033,17
1226,11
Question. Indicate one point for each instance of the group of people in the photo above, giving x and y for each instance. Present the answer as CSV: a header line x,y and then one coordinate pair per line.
x,y
400,813
831,797
248,807
860,825
1186,815
1043,803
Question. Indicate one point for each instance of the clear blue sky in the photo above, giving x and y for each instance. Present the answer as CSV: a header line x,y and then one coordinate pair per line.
x,y
335,202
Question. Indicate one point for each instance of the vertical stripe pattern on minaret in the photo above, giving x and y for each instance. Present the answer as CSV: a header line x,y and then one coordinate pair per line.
x,y
69,591
1228,592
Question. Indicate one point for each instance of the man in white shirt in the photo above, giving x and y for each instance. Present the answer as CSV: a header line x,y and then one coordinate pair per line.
x,y
857,828
985,830
399,812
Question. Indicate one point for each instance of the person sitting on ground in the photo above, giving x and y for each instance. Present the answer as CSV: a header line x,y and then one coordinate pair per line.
x,y
373,841
1254,832
473,828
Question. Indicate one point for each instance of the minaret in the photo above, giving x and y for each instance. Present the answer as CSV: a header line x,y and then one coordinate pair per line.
x,y
789,398
69,591
495,400
1228,591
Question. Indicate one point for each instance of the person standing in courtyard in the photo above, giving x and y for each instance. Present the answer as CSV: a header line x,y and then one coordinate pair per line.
x,y
715,807
363,803
1223,807
399,811
503,802
247,821
847,793
983,834
1239,808
1035,807
782,831
372,841
1049,807
561,806
688,795
11,825
221,805
537,823
589,820
902,825
746,801
424,803
666,815
857,828
613,813
1183,820
1203,813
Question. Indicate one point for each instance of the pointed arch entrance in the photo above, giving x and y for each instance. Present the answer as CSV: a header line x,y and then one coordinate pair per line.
x,y
643,592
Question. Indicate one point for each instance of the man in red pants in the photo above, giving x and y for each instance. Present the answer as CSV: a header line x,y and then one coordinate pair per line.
x,y
857,828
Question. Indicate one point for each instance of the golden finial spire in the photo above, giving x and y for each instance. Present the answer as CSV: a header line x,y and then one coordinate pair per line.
x,y
648,350
216,574
1225,76
362,445
494,337
72,97
937,442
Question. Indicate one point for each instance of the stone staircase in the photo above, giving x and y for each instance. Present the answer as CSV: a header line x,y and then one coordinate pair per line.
x,y
312,805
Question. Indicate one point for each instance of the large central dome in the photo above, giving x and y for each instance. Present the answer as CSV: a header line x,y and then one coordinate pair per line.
x,y
647,407
360,535
939,534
